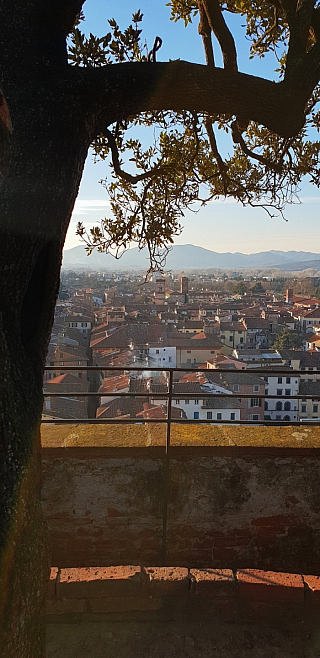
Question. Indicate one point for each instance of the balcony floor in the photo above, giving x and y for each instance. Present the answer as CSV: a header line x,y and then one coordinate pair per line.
x,y
181,639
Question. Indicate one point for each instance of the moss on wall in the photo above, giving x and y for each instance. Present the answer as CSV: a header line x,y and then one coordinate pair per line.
x,y
181,435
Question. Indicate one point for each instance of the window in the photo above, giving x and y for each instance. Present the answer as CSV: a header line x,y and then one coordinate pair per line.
x,y
288,380
188,351
177,401
209,415
212,352
230,338
255,417
186,401
303,408
222,337
241,340
48,404
278,417
157,352
235,388
255,402
232,416
266,406
287,406
196,415
219,416
310,368
279,406
239,332
279,391
314,408
196,401
170,359
256,388
279,380
266,392
287,391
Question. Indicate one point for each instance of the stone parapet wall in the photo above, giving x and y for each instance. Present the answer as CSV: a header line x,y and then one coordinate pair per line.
x,y
228,506
138,591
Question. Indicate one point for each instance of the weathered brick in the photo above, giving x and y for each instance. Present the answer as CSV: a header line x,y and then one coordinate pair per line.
x,y
275,520
125,604
270,585
51,591
168,581
225,555
111,511
99,582
313,585
88,531
226,542
266,609
65,606
213,582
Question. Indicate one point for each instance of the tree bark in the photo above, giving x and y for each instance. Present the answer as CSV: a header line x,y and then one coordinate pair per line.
x,y
56,111
49,145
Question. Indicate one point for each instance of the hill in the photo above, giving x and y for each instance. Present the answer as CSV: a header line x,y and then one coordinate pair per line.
x,y
188,256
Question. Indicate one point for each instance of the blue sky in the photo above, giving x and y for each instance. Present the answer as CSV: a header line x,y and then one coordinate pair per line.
x,y
221,225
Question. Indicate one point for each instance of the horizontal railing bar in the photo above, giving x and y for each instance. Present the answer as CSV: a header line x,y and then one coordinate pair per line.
x,y
111,393
185,421
248,371
185,396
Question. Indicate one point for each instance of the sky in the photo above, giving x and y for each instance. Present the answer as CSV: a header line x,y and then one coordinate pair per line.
x,y
223,225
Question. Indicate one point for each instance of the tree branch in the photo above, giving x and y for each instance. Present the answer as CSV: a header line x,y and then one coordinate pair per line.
x,y
156,171
115,92
299,18
223,169
238,139
221,31
205,31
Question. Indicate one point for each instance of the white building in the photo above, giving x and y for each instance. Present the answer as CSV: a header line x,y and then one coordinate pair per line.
x,y
203,408
80,322
162,356
280,407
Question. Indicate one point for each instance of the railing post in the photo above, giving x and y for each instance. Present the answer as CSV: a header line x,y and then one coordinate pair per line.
x,y
166,472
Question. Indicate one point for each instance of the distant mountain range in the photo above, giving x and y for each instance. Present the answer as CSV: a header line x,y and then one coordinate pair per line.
x,y
188,256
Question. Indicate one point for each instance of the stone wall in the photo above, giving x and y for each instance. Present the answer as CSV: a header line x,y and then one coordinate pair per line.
x,y
228,506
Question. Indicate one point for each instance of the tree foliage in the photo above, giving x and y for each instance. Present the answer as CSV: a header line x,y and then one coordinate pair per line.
x,y
151,187
240,288
288,339
257,288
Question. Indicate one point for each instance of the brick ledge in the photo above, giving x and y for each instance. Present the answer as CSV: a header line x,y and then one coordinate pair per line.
x,y
134,588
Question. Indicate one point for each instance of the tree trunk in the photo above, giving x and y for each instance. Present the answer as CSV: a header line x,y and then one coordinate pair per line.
x,y
48,150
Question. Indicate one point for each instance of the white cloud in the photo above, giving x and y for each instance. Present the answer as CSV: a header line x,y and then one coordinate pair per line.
x,y
86,206
222,200
309,199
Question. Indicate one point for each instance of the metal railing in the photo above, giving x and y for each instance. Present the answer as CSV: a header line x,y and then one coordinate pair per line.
x,y
169,396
